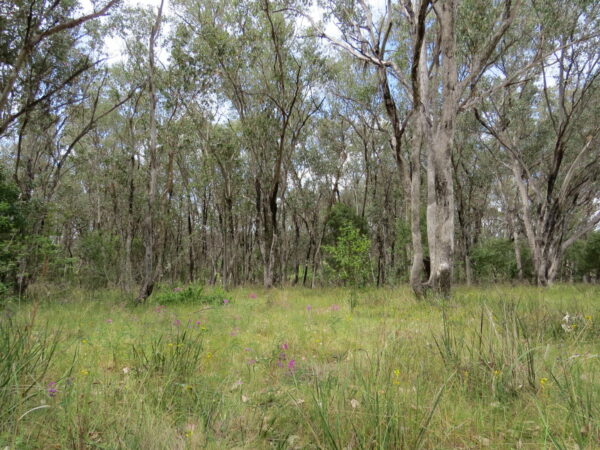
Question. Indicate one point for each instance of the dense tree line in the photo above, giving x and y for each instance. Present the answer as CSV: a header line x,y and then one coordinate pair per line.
x,y
421,141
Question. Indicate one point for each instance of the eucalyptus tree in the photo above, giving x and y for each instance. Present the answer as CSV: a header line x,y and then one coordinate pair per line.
x,y
36,39
53,94
316,181
429,57
547,132
474,176
268,75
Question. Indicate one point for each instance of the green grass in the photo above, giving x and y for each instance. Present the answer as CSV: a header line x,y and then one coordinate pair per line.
x,y
494,367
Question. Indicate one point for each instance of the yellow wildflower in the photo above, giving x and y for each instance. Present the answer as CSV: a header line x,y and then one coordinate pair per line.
x,y
84,372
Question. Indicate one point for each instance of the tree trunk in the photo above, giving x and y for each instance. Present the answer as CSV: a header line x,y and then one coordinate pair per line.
x,y
440,180
150,271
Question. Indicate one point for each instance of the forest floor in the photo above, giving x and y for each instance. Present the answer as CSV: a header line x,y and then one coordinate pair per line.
x,y
498,367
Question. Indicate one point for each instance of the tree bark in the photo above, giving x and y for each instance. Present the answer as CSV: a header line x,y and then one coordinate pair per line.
x,y
151,270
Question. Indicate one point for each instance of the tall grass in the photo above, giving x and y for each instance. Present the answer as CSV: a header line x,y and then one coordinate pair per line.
x,y
25,358
504,368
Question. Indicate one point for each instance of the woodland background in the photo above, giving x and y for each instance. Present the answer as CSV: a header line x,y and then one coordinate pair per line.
x,y
248,142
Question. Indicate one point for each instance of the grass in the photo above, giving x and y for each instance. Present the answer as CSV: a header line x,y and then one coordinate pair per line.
x,y
496,367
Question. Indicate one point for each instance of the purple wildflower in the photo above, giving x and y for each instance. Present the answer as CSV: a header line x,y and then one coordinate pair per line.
x,y
177,322
335,307
52,391
252,295
284,346
251,362
292,365
198,323
109,321
308,308
225,301
247,349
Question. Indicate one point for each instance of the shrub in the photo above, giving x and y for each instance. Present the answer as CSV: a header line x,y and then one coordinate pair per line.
x,y
349,257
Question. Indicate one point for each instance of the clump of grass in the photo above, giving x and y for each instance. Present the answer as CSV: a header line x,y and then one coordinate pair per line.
x,y
371,405
195,294
177,354
498,357
25,357
574,385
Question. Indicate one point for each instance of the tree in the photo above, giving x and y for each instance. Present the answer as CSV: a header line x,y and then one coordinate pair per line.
x,y
432,97
270,87
546,134
27,27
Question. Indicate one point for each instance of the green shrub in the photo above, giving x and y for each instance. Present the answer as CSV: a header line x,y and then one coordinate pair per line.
x,y
582,259
349,257
340,217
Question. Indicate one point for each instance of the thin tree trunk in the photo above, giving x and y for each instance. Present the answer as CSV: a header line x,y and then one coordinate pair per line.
x,y
149,221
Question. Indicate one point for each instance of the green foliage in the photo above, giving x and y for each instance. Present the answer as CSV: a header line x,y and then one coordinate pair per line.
x,y
195,294
583,257
12,223
349,257
494,260
591,255
341,216
101,259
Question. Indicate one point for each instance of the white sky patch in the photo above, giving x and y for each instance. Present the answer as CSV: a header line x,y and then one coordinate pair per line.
x,y
115,46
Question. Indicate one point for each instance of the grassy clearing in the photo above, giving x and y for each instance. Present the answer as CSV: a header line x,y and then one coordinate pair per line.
x,y
292,368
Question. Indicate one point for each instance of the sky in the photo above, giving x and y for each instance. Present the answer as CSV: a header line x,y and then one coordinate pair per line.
x,y
115,46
